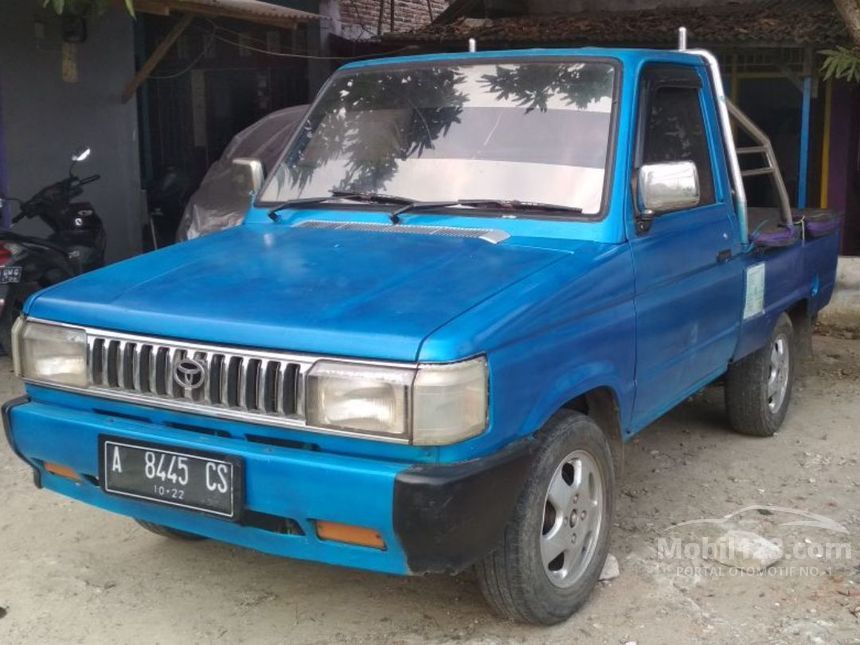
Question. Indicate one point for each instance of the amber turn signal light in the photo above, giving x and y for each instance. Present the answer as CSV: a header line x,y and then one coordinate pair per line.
x,y
62,471
349,534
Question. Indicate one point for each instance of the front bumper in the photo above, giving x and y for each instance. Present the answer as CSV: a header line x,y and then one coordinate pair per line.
x,y
432,518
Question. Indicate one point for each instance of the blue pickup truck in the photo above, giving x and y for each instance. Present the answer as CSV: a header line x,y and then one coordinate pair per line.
x,y
470,279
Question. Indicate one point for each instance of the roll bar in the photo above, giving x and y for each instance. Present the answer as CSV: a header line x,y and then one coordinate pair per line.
x,y
728,140
727,111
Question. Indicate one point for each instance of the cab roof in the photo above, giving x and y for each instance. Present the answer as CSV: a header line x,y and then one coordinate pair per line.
x,y
628,57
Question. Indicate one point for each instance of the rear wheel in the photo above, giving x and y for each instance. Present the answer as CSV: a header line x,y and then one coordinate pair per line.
x,y
555,544
758,387
173,534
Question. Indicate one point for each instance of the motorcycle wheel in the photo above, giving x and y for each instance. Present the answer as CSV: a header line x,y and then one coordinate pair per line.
x,y
16,296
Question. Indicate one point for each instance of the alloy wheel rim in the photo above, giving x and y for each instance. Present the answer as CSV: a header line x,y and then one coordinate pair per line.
x,y
572,518
777,381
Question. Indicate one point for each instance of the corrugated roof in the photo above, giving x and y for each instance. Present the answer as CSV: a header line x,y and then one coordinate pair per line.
x,y
249,10
771,22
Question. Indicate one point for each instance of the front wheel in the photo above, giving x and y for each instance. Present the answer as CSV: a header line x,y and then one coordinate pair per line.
x,y
758,387
173,534
555,544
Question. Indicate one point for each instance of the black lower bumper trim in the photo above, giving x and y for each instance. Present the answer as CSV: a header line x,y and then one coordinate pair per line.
x,y
449,516
7,428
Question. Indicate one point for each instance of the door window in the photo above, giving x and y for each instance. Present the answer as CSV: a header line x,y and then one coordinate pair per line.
x,y
675,131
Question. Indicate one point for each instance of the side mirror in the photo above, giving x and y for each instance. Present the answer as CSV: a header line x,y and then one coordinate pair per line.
x,y
668,186
247,175
82,154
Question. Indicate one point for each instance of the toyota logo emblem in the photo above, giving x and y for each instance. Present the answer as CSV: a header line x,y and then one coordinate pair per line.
x,y
189,373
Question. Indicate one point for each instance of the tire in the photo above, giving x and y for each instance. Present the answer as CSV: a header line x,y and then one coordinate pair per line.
x,y
520,578
173,534
758,387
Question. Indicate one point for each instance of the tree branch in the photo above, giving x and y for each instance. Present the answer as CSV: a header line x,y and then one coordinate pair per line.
x,y
850,12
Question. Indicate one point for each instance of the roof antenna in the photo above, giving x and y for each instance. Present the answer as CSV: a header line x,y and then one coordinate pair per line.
x,y
473,45
682,39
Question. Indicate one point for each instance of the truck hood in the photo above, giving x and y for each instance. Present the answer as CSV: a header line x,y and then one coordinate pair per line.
x,y
336,292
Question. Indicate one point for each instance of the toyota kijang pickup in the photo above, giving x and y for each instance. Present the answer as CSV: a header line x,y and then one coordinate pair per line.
x,y
469,280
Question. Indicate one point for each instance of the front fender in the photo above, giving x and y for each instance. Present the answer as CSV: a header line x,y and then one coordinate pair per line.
x,y
559,333
569,385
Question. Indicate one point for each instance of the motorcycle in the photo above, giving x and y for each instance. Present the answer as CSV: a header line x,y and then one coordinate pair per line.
x,y
166,197
75,245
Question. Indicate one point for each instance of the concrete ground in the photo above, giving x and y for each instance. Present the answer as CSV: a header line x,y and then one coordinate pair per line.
x,y
74,574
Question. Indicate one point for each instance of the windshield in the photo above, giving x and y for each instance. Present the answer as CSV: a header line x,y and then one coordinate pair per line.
x,y
523,131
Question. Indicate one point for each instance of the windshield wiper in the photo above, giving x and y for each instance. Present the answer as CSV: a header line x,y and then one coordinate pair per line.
x,y
405,203
273,212
514,204
341,194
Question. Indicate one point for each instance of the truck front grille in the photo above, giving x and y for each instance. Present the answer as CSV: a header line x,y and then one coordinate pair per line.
x,y
265,385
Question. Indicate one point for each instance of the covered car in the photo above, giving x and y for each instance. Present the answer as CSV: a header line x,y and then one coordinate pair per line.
x,y
218,203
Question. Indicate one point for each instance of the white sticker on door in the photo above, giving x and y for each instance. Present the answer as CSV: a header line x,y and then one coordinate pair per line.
x,y
754,302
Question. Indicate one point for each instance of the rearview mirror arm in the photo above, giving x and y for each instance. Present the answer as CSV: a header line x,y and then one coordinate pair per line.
x,y
643,217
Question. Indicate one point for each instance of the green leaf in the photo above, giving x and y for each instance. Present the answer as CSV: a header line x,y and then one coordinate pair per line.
x,y
57,4
129,4
841,63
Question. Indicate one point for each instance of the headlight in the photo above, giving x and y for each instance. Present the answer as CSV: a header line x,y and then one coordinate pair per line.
x,y
346,396
430,405
50,353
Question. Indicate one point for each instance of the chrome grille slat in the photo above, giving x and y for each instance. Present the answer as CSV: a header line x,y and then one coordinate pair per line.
x,y
225,381
153,370
257,384
135,368
262,371
280,378
209,359
94,357
120,365
170,365
298,393
111,376
242,386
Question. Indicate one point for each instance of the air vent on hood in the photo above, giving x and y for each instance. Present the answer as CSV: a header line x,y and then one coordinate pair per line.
x,y
493,236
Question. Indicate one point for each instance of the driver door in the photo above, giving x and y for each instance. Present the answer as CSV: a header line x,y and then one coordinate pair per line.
x,y
689,282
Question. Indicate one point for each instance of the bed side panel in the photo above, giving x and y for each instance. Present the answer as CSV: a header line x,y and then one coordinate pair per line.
x,y
803,271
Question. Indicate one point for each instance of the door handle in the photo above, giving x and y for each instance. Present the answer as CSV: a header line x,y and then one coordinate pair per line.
x,y
724,256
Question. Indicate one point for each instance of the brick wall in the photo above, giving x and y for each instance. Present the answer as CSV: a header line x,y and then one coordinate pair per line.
x,y
360,18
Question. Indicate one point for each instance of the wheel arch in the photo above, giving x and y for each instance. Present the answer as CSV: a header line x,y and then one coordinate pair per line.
x,y
601,404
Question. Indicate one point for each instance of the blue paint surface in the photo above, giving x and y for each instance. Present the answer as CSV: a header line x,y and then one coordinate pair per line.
x,y
560,308
285,482
803,163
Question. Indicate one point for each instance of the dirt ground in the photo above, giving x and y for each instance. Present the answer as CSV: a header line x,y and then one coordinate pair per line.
x,y
74,574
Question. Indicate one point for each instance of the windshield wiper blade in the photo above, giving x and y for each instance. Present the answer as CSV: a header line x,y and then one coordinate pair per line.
x,y
273,212
515,204
406,204
375,198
